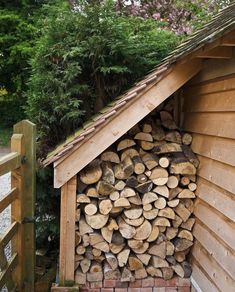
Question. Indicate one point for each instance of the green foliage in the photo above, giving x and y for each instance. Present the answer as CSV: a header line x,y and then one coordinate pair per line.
x,y
5,136
47,209
84,59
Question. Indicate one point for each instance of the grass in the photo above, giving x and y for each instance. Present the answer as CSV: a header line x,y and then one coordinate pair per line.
x,y
5,136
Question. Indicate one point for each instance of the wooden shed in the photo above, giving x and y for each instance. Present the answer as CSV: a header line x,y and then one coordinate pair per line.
x,y
200,75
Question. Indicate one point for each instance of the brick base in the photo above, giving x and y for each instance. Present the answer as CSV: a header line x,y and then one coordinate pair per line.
x,y
146,285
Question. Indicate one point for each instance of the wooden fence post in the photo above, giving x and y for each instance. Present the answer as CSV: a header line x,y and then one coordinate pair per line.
x,y
23,141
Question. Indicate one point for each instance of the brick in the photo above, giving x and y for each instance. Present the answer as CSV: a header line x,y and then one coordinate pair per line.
x,y
136,284
184,289
109,284
120,284
94,290
161,289
184,282
134,290
159,282
84,289
172,282
171,289
107,290
146,289
121,290
94,285
148,282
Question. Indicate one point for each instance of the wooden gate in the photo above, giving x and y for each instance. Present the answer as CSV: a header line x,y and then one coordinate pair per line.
x,y
17,272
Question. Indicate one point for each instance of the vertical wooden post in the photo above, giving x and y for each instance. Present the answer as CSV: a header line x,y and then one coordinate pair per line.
x,y
67,232
23,141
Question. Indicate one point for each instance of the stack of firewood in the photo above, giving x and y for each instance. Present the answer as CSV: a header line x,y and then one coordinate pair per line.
x,y
134,205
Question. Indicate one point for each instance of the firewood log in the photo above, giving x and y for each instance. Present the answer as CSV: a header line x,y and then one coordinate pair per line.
x,y
122,202
167,148
90,209
165,115
91,173
107,234
180,256
142,249
144,137
110,156
126,143
110,274
80,277
190,155
144,258
96,252
131,152
147,207
184,181
150,160
116,248
167,273
177,221
149,197
107,173
151,214
145,187
167,212
112,225
127,275
186,234
158,133
142,178
134,130
124,169
117,238
173,136
105,188
133,213
84,227
134,263
132,243
78,215
122,257
158,262
95,238
80,249
154,234
143,231
162,190
188,224
116,211
170,248
182,244
159,176
126,230
172,182
92,192
95,277
183,212
173,203
78,238
171,232
174,193
85,240
136,200
85,265
146,145
154,272
83,199
159,221
164,162
112,260
187,139
134,222
140,274
139,167
184,168
132,182
186,193
160,203
127,192
192,187
187,269
147,128
97,221
114,196
158,250
120,185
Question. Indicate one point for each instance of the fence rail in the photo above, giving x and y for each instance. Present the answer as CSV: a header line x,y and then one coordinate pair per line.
x,y
17,271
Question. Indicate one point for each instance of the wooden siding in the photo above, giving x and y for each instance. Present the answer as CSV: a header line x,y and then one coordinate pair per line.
x,y
209,114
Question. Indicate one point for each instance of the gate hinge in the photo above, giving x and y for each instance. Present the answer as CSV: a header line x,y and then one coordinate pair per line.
x,y
27,220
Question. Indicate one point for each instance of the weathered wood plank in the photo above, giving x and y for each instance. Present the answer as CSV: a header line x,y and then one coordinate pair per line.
x,y
67,234
216,197
202,279
220,225
216,148
208,263
221,253
218,173
11,231
212,102
8,199
218,53
214,124
68,166
222,84
9,162
5,276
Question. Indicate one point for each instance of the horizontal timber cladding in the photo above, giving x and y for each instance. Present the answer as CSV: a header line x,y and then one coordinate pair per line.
x,y
208,112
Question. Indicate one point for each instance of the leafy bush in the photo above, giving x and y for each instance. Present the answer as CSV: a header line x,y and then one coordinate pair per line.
x,y
83,59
